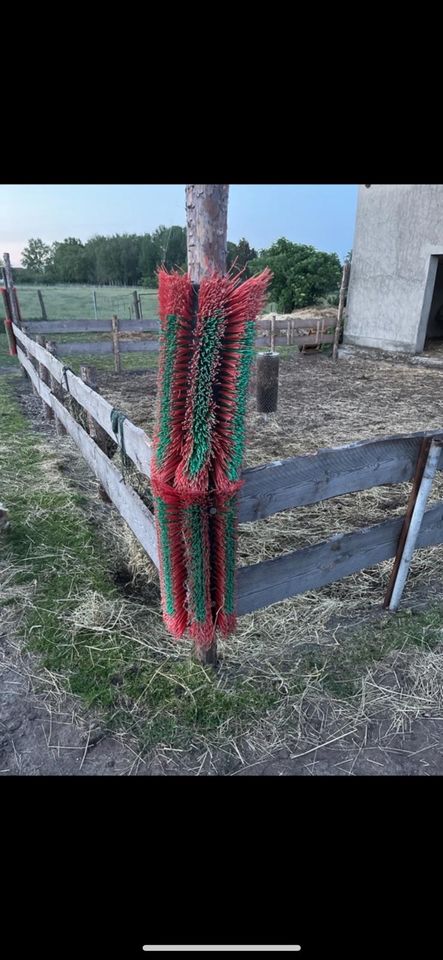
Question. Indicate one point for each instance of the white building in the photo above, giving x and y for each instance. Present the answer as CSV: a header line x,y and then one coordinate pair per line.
x,y
395,297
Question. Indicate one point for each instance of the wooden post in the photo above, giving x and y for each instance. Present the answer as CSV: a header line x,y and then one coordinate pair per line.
x,y
89,376
8,323
13,302
207,223
341,307
136,305
56,387
42,305
207,219
273,332
423,454
267,382
94,303
44,375
115,344
414,523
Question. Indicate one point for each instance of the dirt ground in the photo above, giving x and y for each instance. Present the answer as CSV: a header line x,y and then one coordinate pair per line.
x,y
321,404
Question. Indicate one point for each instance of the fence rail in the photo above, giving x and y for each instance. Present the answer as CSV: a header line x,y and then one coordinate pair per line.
x,y
274,487
51,327
128,503
316,331
137,443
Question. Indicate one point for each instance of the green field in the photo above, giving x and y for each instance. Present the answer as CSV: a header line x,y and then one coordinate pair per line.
x,y
75,302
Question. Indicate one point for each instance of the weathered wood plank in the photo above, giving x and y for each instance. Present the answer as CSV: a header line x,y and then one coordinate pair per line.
x,y
297,341
51,327
107,346
129,505
98,347
137,444
138,346
298,323
262,584
327,473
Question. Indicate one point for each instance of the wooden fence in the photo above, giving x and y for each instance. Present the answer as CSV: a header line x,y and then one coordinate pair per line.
x,y
116,328
314,331
277,486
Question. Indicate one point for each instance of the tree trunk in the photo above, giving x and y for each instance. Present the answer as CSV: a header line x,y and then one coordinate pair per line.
x,y
207,227
207,222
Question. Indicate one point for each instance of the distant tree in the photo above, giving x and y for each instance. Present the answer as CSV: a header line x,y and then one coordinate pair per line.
x,y
241,254
301,274
129,259
170,247
147,260
36,256
69,262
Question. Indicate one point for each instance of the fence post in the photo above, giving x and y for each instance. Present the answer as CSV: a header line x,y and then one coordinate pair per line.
x,y
206,241
136,305
56,387
94,303
89,376
341,307
115,344
8,324
13,301
44,375
404,555
273,332
42,305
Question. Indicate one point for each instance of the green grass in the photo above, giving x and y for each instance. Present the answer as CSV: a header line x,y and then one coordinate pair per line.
x,y
5,359
342,667
113,653
75,302
130,361
59,561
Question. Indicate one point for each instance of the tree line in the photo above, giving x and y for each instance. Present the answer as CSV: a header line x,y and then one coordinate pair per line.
x,y
302,275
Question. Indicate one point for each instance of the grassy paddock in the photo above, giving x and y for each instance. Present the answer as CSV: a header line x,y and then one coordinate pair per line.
x,y
75,301
89,602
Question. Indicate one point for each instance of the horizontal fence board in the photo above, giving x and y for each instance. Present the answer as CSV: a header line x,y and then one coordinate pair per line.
x,y
128,503
97,347
332,472
271,581
312,339
296,341
51,327
298,323
106,346
137,443
139,326
138,346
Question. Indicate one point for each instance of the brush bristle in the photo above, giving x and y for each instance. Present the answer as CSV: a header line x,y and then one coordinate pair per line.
x,y
199,443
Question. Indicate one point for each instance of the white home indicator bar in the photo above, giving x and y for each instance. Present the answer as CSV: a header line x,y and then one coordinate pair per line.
x,y
226,949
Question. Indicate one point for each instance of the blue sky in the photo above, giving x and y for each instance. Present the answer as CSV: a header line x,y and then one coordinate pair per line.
x,y
319,214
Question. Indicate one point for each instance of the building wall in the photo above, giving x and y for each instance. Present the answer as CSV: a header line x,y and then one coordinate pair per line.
x,y
398,235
